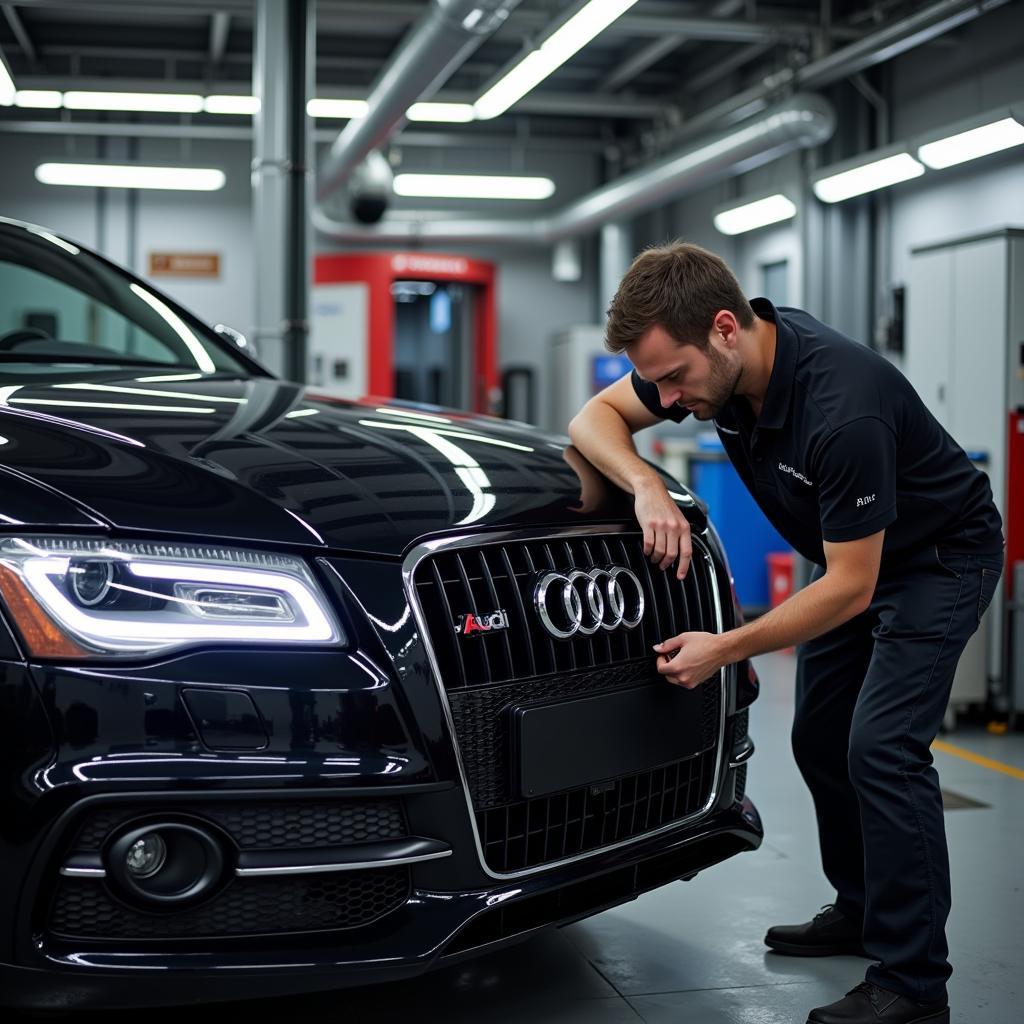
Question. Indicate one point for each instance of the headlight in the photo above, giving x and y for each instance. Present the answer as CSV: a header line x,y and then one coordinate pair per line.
x,y
78,598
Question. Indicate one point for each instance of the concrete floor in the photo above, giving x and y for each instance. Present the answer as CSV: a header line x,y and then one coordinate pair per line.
x,y
692,951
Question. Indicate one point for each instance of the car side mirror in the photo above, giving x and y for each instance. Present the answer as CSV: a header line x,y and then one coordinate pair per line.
x,y
236,338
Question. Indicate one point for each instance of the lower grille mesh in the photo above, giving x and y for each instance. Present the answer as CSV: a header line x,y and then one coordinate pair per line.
x,y
531,832
83,908
266,824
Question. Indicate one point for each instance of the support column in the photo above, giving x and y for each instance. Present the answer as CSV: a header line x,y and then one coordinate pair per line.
x,y
616,256
283,81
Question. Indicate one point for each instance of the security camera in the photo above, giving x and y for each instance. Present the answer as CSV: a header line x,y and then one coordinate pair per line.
x,y
370,188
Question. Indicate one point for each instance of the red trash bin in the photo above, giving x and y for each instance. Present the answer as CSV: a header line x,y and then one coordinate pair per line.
x,y
780,579
780,576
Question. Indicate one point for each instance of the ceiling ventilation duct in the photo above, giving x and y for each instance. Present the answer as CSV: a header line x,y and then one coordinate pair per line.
x,y
432,49
802,121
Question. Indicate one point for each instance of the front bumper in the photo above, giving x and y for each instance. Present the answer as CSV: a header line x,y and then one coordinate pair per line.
x,y
432,928
337,730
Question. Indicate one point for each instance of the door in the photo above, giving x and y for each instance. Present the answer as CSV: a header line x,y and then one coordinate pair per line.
x,y
433,354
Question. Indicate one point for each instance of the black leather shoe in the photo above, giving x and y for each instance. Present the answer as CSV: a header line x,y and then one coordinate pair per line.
x,y
869,1004
829,934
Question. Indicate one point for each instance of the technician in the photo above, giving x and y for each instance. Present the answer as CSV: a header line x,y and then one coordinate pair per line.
x,y
849,465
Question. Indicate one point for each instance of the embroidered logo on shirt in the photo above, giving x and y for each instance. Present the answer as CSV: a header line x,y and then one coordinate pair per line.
x,y
861,502
792,472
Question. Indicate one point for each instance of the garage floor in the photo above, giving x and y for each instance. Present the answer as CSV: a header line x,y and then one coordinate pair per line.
x,y
692,951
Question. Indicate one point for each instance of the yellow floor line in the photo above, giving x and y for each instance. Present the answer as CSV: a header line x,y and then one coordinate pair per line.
x,y
985,762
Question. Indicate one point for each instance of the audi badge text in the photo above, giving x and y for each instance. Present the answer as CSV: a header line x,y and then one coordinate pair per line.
x,y
470,623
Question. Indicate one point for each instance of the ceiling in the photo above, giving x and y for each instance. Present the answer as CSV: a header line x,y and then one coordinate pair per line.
x,y
659,65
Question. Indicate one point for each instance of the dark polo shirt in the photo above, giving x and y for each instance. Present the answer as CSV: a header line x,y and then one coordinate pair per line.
x,y
844,447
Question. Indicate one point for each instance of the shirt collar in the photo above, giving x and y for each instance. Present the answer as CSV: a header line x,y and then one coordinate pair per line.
x,y
780,384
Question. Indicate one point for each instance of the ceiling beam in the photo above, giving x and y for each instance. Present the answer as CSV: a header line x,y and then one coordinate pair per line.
x,y
21,34
727,65
339,14
214,133
344,14
243,7
659,49
160,56
640,62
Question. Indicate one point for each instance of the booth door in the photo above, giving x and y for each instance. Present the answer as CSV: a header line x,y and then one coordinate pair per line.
x,y
434,343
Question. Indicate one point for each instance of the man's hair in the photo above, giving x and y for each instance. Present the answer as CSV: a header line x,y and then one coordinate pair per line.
x,y
678,287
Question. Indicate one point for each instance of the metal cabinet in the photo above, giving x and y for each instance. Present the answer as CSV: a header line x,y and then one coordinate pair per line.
x,y
965,357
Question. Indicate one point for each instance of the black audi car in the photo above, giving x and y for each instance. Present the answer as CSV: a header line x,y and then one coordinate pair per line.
x,y
299,693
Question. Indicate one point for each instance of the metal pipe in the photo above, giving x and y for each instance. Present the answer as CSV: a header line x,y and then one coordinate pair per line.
x,y
804,120
893,40
446,35
872,49
282,74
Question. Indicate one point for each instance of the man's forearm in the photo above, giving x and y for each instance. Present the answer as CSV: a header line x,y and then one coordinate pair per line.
x,y
819,607
605,439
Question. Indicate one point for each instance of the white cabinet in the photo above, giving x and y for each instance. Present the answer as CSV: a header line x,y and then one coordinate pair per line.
x,y
965,334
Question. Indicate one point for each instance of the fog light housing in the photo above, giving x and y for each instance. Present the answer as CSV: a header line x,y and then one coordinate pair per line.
x,y
146,856
166,864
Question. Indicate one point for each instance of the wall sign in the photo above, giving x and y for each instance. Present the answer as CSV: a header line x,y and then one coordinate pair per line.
x,y
184,264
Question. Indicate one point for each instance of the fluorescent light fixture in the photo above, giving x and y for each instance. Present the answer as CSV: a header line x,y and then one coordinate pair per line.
x,y
336,108
867,177
735,220
231,104
969,145
580,29
7,90
147,102
472,186
38,99
455,113
185,179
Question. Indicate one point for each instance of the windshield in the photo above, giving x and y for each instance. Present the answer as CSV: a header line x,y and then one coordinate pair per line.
x,y
61,306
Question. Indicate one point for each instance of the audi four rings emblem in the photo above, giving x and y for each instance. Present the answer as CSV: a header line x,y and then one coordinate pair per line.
x,y
584,602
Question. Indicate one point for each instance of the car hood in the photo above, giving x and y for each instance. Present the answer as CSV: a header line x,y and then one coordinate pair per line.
x,y
263,460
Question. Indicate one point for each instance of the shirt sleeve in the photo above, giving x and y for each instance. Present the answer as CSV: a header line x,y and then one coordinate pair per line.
x,y
647,392
856,469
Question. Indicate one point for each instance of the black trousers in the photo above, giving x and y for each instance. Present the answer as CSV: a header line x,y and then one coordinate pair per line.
x,y
870,697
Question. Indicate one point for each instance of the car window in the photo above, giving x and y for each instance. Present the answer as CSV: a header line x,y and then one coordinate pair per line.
x,y
33,303
60,304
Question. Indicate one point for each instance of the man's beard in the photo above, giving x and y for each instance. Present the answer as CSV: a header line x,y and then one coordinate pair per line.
x,y
722,382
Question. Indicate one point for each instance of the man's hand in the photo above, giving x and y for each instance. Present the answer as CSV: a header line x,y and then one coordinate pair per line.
x,y
666,531
690,658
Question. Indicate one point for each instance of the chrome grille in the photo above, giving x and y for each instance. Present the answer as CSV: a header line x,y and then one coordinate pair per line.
x,y
485,675
484,579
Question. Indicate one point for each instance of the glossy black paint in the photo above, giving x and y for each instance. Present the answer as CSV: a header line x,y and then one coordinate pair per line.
x,y
352,487
269,462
